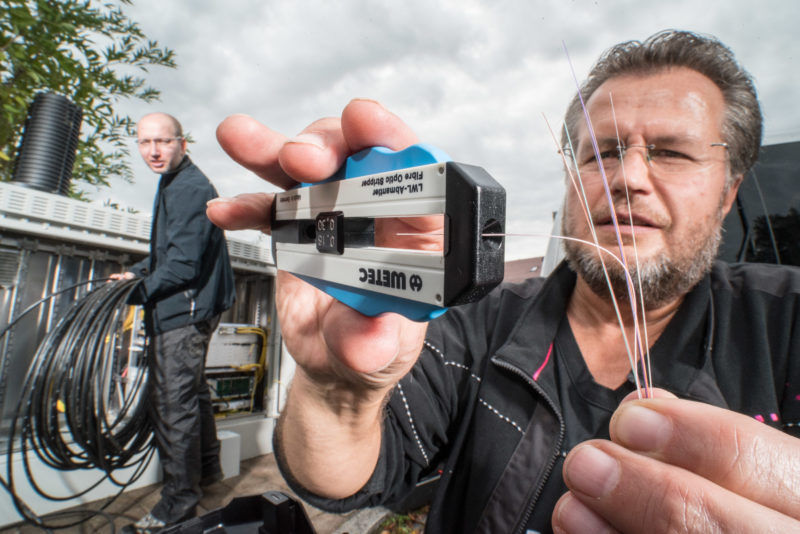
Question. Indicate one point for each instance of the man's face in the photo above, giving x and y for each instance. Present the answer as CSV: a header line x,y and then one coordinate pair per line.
x,y
158,143
675,217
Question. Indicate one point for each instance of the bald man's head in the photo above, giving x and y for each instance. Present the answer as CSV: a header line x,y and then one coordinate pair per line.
x,y
161,143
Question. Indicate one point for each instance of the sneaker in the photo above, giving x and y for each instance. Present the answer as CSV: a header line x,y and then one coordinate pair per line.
x,y
149,524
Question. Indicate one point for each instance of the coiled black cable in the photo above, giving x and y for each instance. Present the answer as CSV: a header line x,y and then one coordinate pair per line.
x,y
81,405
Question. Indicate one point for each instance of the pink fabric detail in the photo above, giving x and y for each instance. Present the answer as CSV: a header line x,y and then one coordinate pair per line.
x,y
544,364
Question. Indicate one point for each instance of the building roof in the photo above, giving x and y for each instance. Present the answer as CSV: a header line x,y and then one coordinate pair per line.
x,y
519,270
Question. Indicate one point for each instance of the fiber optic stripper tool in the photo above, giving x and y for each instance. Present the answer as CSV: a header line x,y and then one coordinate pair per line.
x,y
324,233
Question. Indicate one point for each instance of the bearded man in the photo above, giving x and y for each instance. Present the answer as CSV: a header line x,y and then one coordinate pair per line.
x,y
521,401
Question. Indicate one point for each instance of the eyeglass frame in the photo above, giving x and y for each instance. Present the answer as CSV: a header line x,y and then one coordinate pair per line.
x,y
159,141
569,156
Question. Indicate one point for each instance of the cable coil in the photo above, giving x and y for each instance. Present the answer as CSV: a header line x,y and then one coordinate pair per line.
x,y
83,403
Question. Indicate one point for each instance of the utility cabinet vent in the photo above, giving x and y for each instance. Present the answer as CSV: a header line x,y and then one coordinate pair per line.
x,y
9,267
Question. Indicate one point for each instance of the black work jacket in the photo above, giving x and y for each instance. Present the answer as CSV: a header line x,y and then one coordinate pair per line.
x,y
187,277
482,405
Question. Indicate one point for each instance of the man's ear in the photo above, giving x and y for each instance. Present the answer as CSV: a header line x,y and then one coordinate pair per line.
x,y
730,195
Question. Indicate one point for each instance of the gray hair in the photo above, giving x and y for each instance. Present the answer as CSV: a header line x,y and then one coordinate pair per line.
x,y
742,124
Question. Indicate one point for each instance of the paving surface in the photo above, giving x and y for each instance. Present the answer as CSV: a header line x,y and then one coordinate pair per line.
x,y
256,476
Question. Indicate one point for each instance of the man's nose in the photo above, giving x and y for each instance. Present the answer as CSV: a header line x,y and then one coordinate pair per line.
x,y
634,171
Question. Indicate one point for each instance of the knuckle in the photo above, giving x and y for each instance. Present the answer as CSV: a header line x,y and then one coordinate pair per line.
x,y
681,508
751,461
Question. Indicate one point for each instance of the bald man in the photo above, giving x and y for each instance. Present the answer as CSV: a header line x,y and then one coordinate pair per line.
x,y
186,283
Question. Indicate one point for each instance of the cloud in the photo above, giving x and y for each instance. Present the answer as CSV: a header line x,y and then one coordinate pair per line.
x,y
474,77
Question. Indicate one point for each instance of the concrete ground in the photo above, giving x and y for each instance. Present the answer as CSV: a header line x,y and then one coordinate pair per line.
x,y
256,476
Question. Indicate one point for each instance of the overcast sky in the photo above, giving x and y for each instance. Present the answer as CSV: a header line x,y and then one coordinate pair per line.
x,y
473,77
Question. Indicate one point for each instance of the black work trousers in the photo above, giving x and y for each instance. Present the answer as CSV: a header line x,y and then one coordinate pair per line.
x,y
183,418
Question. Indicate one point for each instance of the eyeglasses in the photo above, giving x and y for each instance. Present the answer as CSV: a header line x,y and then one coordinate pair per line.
x,y
160,142
664,160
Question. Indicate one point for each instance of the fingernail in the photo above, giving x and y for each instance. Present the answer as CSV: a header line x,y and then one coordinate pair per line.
x,y
219,200
309,138
575,517
591,471
370,100
640,428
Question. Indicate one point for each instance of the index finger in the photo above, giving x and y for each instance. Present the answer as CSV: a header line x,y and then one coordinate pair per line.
x,y
732,450
366,123
255,147
613,489
321,148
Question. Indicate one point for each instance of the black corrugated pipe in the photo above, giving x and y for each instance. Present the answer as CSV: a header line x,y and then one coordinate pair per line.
x,y
49,143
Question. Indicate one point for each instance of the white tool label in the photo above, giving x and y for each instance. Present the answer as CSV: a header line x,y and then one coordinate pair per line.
x,y
398,183
411,274
401,193
389,278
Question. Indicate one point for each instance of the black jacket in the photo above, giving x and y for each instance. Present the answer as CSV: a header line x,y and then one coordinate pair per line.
x,y
482,404
188,276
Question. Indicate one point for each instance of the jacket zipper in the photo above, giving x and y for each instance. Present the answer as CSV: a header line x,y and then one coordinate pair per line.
x,y
190,295
554,458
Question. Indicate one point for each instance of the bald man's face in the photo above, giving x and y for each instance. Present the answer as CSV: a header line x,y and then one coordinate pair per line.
x,y
159,144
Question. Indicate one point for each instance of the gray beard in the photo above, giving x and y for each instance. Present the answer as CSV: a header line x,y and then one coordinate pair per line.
x,y
662,278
